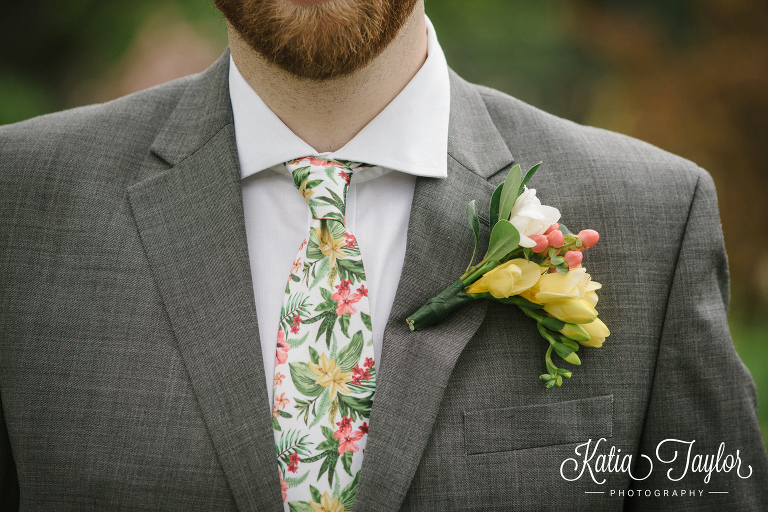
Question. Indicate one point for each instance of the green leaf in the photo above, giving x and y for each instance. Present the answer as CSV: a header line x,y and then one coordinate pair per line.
x,y
494,207
328,434
354,406
350,355
276,425
366,320
299,506
304,379
299,175
527,178
346,461
331,173
564,229
329,464
322,408
504,239
557,260
284,414
320,272
509,192
314,356
299,342
344,324
347,496
296,481
474,223
328,445
316,496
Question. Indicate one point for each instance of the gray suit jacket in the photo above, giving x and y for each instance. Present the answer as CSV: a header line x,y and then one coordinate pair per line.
x,y
131,376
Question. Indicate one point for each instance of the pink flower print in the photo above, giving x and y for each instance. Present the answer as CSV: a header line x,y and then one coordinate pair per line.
x,y
293,462
361,373
296,266
356,380
369,362
348,440
317,161
303,244
351,240
363,428
343,290
361,292
295,324
281,355
347,305
275,414
283,485
345,423
279,378
281,401
346,176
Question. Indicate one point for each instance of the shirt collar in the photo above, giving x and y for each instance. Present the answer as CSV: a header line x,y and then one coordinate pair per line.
x,y
410,135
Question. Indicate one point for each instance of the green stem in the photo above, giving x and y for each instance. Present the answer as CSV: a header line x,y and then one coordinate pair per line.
x,y
439,307
477,274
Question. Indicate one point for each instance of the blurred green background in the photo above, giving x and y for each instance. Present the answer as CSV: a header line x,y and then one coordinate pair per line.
x,y
690,76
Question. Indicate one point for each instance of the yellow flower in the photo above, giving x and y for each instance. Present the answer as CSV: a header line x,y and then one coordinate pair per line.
x,y
327,505
306,192
590,296
510,278
330,246
597,331
331,376
572,311
558,287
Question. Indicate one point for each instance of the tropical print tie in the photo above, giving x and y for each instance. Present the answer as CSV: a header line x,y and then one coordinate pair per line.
x,y
324,371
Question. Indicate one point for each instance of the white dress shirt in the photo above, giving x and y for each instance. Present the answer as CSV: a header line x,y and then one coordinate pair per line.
x,y
408,138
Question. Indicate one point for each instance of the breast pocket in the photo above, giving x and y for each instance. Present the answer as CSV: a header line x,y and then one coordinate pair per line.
x,y
532,426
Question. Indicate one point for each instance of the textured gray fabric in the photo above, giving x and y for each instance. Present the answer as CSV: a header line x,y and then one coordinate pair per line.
x,y
531,426
130,370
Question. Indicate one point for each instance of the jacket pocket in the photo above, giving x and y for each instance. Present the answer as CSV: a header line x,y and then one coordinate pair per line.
x,y
531,426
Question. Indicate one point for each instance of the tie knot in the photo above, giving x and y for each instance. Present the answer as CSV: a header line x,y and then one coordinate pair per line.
x,y
324,184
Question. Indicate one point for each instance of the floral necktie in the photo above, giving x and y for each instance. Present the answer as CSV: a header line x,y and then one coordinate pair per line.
x,y
324,372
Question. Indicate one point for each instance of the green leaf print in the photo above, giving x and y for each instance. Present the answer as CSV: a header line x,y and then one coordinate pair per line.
x,y
304,379
299,175
350,354
347,496
346,461
355,407
344,324
366,320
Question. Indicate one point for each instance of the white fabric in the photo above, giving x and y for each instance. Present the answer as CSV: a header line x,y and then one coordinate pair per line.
x,y
409,136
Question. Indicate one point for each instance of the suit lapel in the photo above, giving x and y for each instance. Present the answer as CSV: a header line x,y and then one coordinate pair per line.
x,y
190,219
415,366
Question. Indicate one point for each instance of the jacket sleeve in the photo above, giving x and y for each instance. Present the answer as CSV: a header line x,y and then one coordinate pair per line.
x,y
702,392
9,484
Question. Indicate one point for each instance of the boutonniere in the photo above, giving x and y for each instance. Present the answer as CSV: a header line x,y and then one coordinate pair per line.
x,y
533,262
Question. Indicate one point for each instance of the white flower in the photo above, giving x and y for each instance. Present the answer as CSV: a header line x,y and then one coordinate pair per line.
x,y
530,217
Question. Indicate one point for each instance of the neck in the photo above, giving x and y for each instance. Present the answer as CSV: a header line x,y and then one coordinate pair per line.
x,y
328,114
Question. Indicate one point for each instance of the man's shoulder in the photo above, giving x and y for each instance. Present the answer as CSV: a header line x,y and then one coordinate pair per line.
x,y
105,135
532,134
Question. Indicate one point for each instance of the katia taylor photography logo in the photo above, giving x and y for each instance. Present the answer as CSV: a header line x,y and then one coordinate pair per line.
x,y
677,458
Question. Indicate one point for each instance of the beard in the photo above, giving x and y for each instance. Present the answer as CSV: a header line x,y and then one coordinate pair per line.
x,y
317,41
